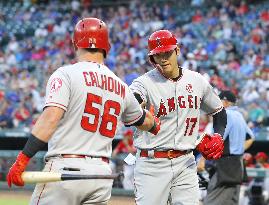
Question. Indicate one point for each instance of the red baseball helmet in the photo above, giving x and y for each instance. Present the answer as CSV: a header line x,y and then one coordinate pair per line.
x,y
91,33
161,41
261,155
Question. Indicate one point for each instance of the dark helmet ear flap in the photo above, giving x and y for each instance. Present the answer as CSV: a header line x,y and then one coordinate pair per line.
x,y
151,60
153,63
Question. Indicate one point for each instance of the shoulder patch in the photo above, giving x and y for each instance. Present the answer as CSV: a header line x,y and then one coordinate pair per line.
x,y
55,85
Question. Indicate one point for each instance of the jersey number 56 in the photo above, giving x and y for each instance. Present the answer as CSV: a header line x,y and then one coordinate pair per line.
x,y
106,118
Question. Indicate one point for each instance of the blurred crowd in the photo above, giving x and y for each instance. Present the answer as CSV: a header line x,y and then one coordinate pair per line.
x,y
216,40
260,160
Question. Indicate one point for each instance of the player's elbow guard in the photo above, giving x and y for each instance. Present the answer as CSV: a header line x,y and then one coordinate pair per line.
x,y
211,146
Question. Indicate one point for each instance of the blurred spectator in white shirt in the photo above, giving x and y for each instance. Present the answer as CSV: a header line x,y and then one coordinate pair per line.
x,y
190,63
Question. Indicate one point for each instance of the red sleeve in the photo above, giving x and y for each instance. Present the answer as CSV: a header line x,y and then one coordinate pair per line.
x,y
119,147
266,166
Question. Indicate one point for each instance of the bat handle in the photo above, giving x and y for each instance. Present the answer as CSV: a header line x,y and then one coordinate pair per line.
x,y
40,177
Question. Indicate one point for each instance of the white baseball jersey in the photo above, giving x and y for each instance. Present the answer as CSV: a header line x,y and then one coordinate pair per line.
x,y
94,100
178,105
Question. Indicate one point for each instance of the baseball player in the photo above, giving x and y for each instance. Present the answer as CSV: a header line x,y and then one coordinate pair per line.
x,y
165,168
84,104
124,147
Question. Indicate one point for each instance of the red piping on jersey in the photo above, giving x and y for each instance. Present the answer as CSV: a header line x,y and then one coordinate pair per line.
x,y
55,103
43,187
133,121
216,111
135,191
91,62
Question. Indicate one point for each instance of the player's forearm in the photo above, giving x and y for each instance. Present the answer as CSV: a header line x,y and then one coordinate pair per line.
x,y
47,123
148,123
248,143
44,130
151,123
114,153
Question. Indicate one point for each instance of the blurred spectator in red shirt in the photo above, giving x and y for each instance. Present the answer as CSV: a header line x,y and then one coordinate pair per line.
x,y
248,160
21,115
86,3
265,16
2,95
126,144
197,17
242,9
262,160
257,34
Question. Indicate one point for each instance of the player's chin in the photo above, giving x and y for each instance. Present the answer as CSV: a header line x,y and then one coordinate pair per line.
x,y
165,67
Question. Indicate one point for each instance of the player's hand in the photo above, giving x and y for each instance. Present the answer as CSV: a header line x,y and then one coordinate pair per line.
x,y
157,123
143,105
15,172
211,146
201,164
125,141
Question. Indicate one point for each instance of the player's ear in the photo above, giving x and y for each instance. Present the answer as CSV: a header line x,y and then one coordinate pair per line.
x,y
177,50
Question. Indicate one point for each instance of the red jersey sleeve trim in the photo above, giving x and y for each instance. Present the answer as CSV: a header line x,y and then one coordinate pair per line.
x,y
56,105
133,121
216,111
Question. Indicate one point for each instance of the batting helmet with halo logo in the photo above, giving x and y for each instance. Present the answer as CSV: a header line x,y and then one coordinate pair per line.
x,y
161,41
91,33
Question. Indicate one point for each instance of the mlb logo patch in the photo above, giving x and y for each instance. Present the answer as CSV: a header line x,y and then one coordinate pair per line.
x,y
92,43
189,88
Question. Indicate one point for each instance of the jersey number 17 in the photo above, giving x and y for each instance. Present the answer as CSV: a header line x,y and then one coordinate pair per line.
x,y
190,125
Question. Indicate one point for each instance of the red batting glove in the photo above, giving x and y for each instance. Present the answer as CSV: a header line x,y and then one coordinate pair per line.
x,y
211,146
15,172
157,123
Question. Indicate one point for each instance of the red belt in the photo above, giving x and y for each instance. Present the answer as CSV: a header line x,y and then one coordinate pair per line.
x,y
105,159
170,154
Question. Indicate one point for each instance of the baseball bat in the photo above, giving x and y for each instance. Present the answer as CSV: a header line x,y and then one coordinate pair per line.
x,y
44,177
